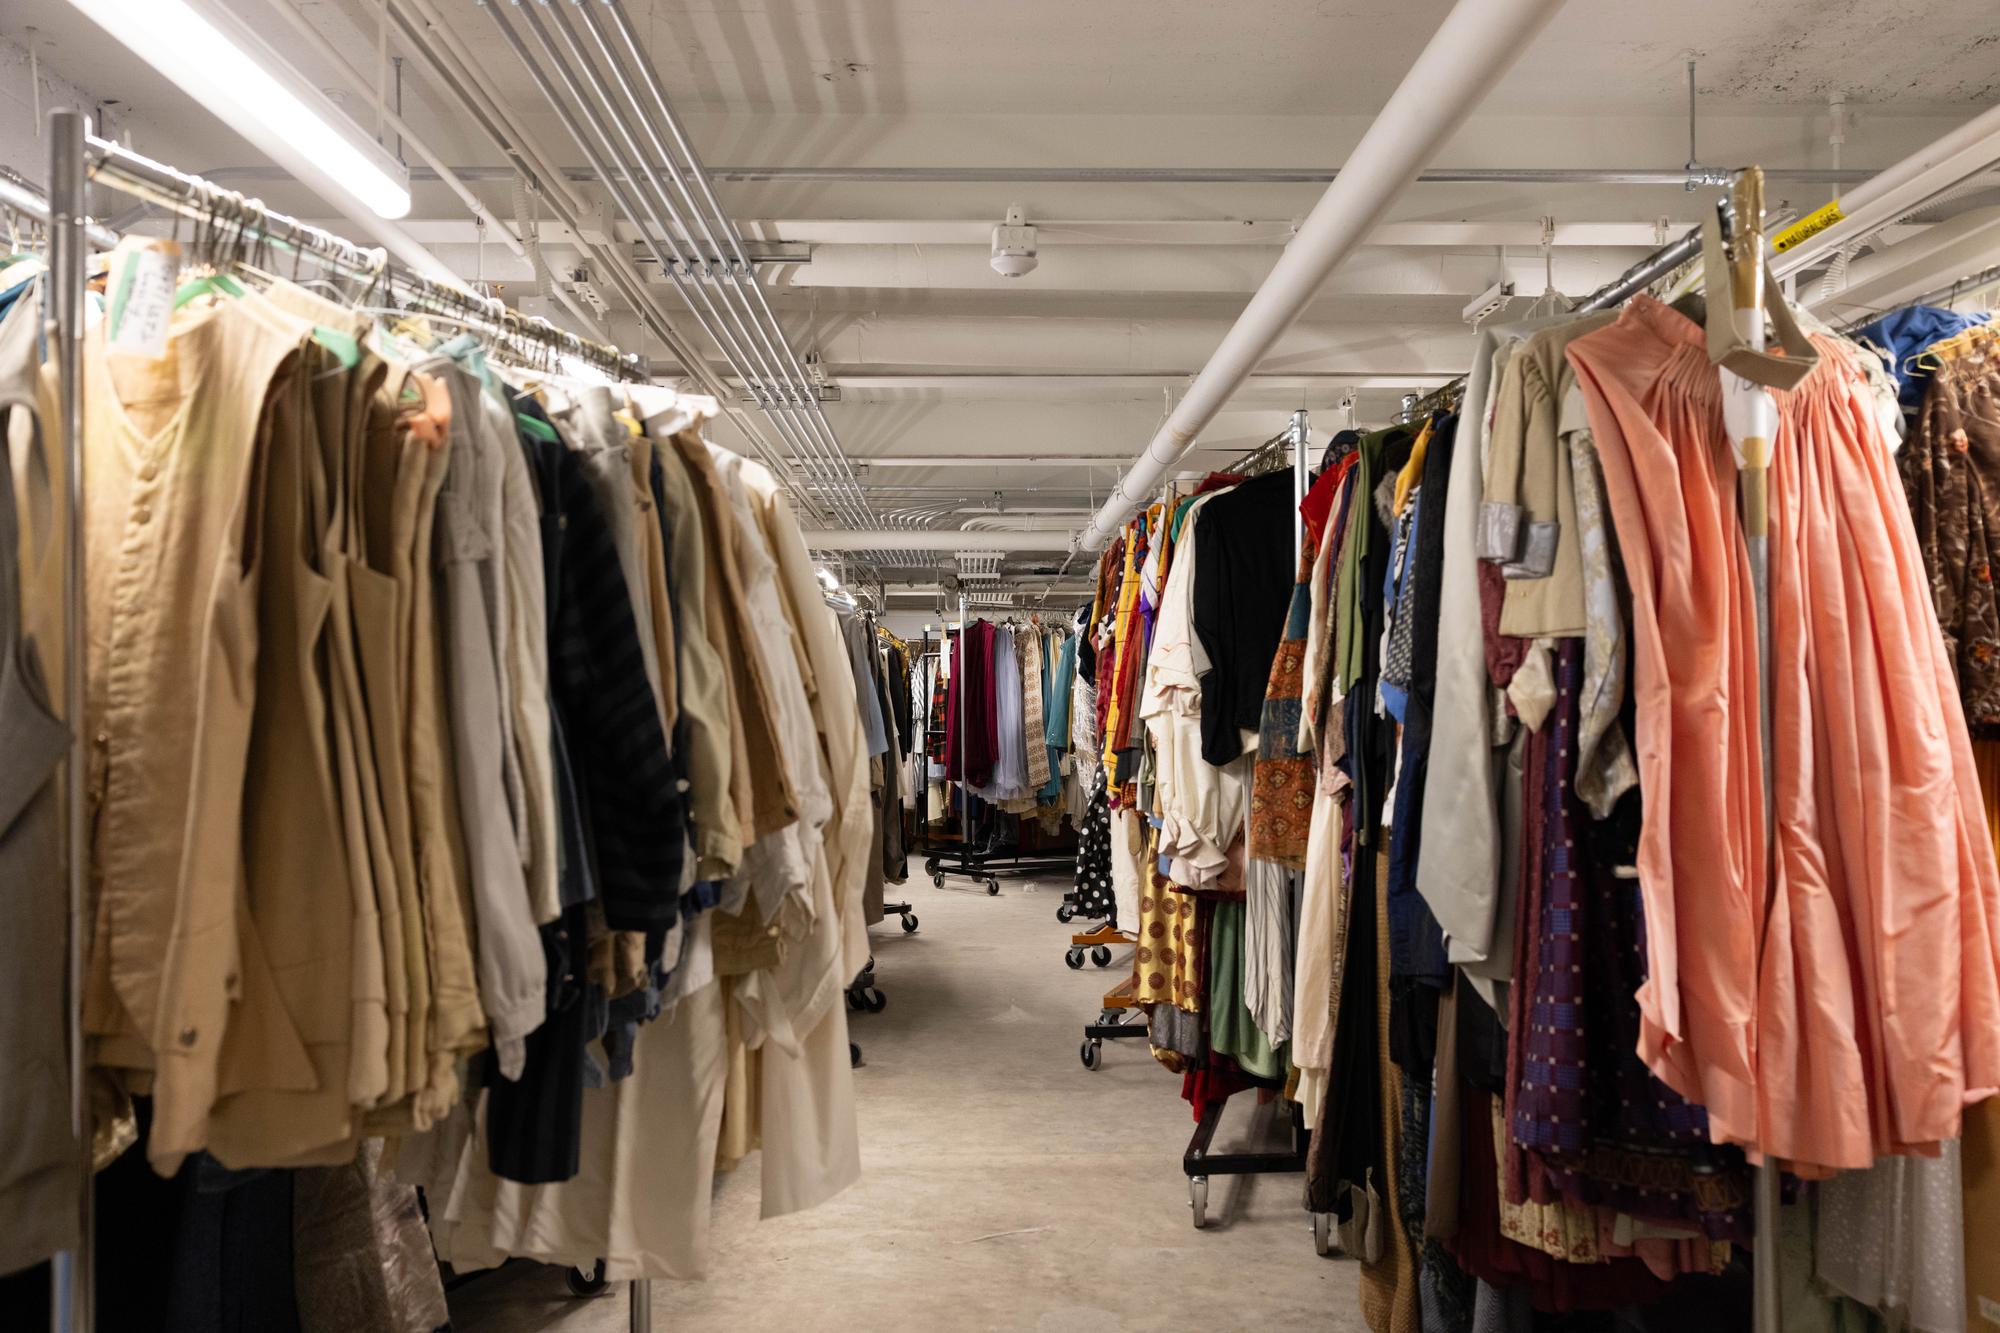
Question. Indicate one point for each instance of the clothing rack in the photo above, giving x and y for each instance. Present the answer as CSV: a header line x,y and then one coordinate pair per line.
x,y
963,860
76,160
251,223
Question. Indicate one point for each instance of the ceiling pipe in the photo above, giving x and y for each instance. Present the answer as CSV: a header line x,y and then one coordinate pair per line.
x,y
1900,189
743,276
1471,49
934,539
1676,177
765,339
637,203
589,147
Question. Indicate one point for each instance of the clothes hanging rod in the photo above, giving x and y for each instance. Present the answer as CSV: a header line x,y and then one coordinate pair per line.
x,y
203,200
17,196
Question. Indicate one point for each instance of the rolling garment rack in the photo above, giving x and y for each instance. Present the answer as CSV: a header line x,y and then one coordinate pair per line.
x,y
902,910
962,860
78,159
1114,1022
1198,1163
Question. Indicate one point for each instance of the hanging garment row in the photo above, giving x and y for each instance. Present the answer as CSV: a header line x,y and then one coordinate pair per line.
x,y
1450,820
474,767
1004,697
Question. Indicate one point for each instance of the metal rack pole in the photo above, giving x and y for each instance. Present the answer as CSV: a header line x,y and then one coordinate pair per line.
x,y
1301,473
72,1275
641,1296
964,787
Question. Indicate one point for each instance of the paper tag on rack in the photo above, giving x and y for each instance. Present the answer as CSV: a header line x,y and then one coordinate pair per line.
x,y
141,292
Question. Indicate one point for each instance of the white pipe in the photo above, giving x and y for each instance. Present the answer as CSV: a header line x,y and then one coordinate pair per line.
x,y
1896,190
934,539
1471,49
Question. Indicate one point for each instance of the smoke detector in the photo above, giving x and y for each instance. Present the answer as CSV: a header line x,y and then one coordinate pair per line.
x,y
1014,245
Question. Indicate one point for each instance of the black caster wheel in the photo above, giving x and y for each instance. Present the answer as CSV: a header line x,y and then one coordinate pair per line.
x,y
586,1284
1074,958
854,1000
909,923
1092,1054
1101,955
1065,914
993,887
853,1056
1198,1200
873,1000
937,879
931,866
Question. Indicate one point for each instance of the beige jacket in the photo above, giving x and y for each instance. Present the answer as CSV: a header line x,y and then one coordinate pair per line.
x,y
707,702
172,448
1528,473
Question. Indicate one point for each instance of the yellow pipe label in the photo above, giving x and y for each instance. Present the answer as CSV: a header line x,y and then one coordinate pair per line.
x,y
1812,224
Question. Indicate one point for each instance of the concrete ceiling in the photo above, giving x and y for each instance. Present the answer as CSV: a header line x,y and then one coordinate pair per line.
x,y
939,357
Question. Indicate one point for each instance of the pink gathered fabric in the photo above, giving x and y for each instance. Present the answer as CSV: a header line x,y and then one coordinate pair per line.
x,y
1852,1008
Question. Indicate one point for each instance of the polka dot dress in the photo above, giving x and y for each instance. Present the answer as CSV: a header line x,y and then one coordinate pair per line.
x,y
1093,855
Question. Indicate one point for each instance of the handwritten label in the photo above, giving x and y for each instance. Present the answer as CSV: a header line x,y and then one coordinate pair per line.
x,y
1812,224
142,300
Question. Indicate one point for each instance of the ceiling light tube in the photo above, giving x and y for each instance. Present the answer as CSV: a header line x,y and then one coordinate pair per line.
x,y
228,70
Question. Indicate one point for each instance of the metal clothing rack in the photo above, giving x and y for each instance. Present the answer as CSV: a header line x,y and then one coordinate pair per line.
x,y
76,160
1197,1162
963,860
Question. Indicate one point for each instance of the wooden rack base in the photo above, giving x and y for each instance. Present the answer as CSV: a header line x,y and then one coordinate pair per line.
x,y
1099,942
1121,1018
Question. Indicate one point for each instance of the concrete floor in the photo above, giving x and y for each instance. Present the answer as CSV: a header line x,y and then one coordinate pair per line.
x,y
1005,1187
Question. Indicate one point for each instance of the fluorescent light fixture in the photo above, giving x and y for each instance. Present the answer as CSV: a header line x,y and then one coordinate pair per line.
x,y
223,66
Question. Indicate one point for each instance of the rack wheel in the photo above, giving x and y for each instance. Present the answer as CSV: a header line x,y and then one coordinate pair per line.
x,y
993,887
937,879
1092,1053
1323,1233
1065,914
1101,955
909,922
1074,957
873,1000
853,1056
1198,1200
931,866
586,1284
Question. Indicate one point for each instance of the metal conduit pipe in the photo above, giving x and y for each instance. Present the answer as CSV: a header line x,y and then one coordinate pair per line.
x,y
585,143
836,478
616,266
1676,178
720,323
744,274
799,388
713,322
744,322
1262,175
462,78
1472,48
933,539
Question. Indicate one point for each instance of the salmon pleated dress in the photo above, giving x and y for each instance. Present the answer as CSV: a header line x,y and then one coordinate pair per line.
x,y
1847,1005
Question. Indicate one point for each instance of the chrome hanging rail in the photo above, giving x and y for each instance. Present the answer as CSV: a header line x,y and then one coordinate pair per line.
x,y
193,197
